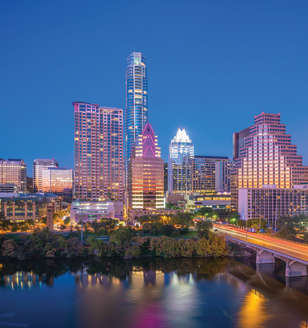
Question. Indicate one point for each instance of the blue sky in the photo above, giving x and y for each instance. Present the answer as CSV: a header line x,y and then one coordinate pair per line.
x,y
212,66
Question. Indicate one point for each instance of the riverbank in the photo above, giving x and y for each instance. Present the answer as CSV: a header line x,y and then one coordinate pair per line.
x,y
46,244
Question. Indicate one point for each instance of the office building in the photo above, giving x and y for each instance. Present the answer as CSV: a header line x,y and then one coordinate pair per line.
x,y
19,207
165,177
8,188
203,173
223,175
217,201
181,153
263,155
98,152
95,211
38,166
14,171
30,185
136,110
270,202
58,181
146,173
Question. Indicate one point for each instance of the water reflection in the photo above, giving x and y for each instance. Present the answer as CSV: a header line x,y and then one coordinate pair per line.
x,y
149,293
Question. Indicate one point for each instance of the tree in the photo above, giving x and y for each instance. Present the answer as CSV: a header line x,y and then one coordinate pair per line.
x,y
67,220
203,229
287,233
182,219
254,223
95,226
62,227
204,211
167,229
14,227
121,235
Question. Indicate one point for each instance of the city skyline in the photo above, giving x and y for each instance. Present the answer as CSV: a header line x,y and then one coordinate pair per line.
x,y
40,82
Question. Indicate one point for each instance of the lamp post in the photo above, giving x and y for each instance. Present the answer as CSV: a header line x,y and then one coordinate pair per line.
x,y
81,230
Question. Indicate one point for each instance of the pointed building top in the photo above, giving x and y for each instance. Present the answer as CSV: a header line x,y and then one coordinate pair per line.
x,y
181,136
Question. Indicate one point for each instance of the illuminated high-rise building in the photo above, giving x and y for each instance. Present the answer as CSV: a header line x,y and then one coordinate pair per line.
x,y
223,175
203,173
58,181
146,173
13,172
263,155
181,153
136,110
38,166
98,152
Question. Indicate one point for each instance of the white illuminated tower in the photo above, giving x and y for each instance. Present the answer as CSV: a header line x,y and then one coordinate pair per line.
x,y
181,153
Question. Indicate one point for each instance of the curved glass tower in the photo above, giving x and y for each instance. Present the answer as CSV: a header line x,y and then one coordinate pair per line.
x,y
136,110
181,153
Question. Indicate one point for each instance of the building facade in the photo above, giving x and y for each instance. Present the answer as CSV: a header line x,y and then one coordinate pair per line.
x,y
58,181
30,185
38,166
91,211
136,110
8,188
270,202
181,153
146,173
19,207
165,178
203,173
264,155
219,200
223,176
14,171
99,167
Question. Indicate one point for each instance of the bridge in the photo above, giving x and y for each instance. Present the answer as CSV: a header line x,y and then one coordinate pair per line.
x,y
267,249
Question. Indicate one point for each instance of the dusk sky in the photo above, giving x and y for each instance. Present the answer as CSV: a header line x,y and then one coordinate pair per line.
x,y
212,66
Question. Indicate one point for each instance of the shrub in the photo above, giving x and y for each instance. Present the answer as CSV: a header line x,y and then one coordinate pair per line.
x,y
121,235
203,229
133,251
184,231
167,229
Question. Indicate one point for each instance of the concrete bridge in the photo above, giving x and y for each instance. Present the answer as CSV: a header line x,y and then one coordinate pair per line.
x,y
296,265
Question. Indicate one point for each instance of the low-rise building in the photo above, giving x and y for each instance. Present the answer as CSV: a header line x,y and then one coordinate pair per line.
x,y
19,207
270,202
8,188
95,211
219,200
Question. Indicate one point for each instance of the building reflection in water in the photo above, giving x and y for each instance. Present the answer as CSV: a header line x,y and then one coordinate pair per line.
x,y
21,279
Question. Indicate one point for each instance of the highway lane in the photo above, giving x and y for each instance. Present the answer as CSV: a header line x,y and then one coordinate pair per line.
x,y
296,250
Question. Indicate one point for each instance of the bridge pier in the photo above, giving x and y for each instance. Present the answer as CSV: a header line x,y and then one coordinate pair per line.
x,y
264,257
295,269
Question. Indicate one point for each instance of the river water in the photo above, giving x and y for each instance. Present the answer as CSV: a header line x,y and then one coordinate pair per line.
x,y
151,292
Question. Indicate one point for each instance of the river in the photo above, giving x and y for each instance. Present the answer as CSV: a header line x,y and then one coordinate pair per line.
x,y
148,293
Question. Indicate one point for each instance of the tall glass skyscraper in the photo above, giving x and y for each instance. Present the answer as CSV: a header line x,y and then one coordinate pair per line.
x,y
181,153
136,111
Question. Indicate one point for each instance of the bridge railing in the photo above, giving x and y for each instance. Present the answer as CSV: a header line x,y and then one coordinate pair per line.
x,y
271,248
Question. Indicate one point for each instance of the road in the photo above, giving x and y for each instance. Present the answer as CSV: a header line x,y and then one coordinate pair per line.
x,y
286,247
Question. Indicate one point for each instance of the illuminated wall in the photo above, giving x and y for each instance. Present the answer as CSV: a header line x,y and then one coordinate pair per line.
x,y
57,180
136,110
99,170
181,152
146,173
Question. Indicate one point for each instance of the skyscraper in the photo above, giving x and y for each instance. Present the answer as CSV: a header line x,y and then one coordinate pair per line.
x,y
264,155
223,176
14,172
98,152
38,165
203,173
181,153
146,173
136,110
